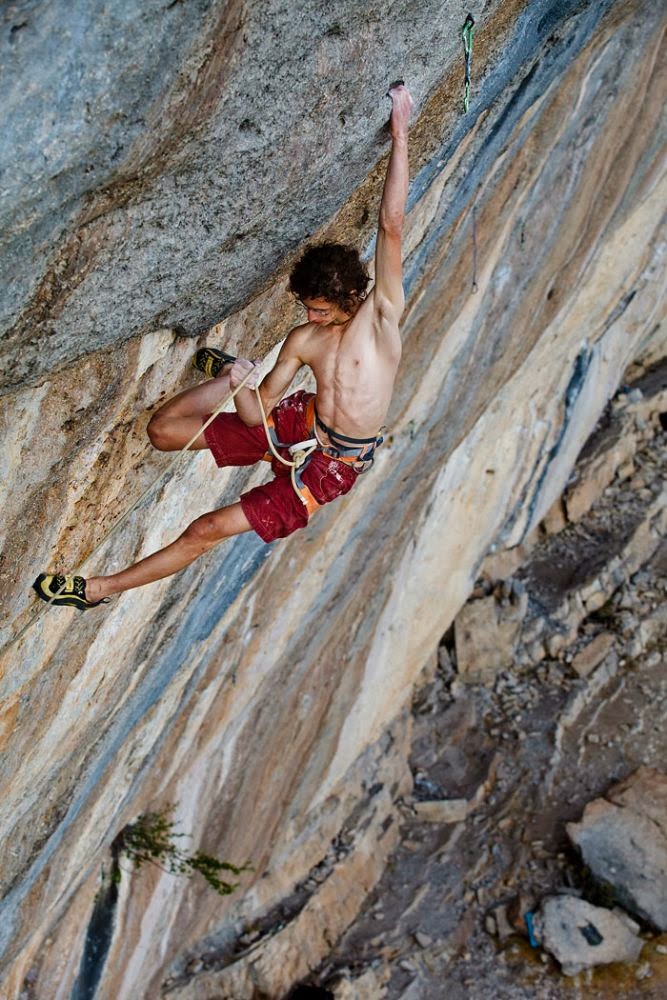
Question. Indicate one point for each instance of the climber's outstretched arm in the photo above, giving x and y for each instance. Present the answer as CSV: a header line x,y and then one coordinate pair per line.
x,y
389,298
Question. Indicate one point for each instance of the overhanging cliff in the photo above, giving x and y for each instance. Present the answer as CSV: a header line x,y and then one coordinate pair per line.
x,y
165,162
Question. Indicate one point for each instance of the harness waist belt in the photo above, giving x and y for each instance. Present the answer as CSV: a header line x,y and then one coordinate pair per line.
x,y
334,435
310,444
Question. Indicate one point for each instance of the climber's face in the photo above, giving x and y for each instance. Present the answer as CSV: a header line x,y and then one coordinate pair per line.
x,y
324,313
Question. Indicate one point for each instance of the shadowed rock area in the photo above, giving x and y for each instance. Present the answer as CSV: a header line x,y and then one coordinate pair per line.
x,y
162,164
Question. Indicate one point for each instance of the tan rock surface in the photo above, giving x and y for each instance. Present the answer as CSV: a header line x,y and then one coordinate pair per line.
x,y
443,810
486,635
593,653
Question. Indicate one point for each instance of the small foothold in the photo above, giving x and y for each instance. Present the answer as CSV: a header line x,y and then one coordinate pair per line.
x,y
396,83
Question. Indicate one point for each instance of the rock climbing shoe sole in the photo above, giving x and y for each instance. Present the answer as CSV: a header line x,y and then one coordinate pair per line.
x,y
69,591
211,361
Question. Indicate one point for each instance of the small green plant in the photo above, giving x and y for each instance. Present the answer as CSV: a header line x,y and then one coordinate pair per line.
x,y
151,838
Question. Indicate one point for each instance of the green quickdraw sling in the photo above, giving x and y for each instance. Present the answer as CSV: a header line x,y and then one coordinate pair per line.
x,y
466,35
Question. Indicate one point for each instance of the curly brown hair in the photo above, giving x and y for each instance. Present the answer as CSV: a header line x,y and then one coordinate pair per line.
x,y
330,271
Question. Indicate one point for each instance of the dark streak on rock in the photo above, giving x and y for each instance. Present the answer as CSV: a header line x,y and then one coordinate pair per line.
x,y
207,606
99,934
575,385
549,58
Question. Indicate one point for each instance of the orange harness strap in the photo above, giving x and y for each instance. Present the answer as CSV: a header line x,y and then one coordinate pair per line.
x,y
302,491
300,488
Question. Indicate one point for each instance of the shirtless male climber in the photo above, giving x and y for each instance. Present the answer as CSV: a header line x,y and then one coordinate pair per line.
x,y
352,344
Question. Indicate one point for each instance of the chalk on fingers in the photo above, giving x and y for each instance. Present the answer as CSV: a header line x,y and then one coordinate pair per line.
x,y
396,83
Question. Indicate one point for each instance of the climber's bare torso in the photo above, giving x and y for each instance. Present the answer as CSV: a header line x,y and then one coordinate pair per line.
x,y
354,362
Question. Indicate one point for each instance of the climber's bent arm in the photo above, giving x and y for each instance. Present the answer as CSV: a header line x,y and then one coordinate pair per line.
x,y
274,385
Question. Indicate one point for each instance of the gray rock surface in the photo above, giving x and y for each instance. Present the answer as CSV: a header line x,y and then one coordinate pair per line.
x,y
155,140
623,840
581,936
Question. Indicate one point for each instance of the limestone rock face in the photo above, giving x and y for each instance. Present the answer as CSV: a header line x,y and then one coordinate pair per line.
x,y
623,840
166,162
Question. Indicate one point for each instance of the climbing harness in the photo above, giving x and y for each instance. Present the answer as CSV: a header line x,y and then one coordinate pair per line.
x,y
121,520
466,35
349,448
300,452
358,452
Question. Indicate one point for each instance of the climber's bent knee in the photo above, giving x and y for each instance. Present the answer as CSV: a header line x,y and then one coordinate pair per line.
x,y
158,433
173,433
211,528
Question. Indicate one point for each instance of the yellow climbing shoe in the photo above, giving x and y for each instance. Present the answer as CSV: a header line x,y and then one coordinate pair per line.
x,y
66,590
210,361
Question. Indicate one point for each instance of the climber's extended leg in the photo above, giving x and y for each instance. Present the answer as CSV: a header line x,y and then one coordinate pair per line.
x,y
197,538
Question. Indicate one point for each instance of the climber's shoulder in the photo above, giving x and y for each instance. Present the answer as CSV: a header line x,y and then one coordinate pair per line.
x,y
297,338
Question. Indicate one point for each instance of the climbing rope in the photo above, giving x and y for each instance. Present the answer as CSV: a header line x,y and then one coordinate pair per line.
x,y
123,518
474,249
466,35
299,451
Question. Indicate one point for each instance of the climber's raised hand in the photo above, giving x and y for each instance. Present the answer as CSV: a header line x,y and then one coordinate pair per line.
x,y
402,105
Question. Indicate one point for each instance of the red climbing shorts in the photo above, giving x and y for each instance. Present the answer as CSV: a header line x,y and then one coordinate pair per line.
x,y
274,510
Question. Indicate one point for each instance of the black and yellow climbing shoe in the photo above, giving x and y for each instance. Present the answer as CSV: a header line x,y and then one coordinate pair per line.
x,y
72,591
211,361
